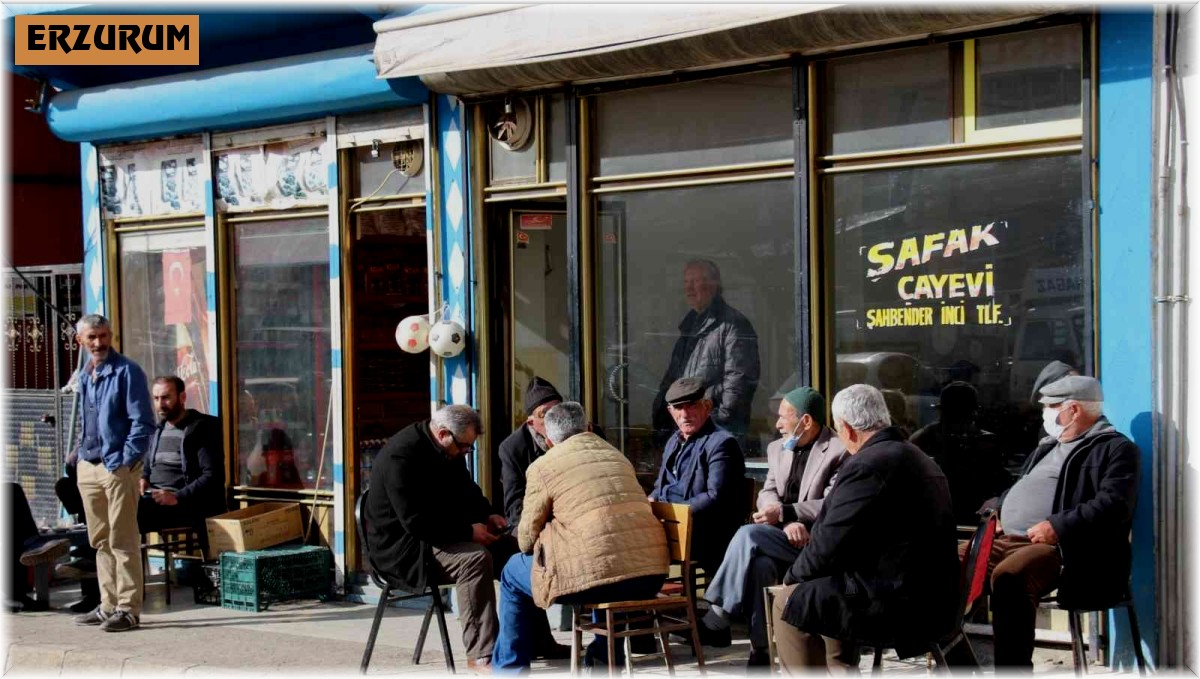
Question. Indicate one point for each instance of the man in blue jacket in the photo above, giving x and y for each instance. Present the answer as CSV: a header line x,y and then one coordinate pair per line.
x,y
703,466
183,479
118,425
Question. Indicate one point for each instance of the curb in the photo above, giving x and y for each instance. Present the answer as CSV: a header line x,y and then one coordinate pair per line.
x,y
45,659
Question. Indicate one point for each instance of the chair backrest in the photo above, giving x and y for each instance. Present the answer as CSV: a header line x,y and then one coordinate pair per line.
x,y
360,523
677,522
975,565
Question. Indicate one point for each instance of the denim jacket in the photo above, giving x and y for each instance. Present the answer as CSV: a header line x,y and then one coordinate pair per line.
x,y
124,417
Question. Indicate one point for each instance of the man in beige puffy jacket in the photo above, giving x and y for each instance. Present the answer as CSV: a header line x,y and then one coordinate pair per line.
x,y
587,535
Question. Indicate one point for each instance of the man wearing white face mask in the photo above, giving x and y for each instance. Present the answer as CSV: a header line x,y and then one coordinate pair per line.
x,y
1065,523
800,470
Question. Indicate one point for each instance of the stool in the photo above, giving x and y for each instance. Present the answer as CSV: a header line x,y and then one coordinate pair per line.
x,y
1078,652
181,541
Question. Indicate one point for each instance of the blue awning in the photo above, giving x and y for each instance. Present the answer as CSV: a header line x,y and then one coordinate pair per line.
x,y
259,93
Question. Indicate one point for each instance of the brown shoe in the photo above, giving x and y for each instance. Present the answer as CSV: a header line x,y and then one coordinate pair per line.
x,y
48,552
479,665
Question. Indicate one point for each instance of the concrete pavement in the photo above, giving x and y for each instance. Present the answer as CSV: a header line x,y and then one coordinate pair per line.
x,y
299,637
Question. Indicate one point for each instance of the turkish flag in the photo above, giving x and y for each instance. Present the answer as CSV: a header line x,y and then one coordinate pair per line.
x,y
177,286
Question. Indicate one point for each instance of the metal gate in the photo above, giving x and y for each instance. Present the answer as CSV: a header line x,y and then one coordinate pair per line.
x,y
42,353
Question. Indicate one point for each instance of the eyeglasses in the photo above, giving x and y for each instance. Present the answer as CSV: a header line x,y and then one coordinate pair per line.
x,y
466,449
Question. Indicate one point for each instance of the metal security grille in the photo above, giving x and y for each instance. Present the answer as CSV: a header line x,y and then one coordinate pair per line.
x,y
42,355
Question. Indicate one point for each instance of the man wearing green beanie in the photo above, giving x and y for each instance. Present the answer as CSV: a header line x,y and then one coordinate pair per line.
x,y
800,470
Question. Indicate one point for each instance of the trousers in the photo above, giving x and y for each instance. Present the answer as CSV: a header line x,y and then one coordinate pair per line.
x,y
756,558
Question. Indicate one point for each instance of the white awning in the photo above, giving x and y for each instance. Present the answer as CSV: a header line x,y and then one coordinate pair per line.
x,y
490,49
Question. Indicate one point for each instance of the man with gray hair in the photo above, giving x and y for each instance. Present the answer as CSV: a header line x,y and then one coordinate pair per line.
x,y
880,566
716,344
423,502
1065,523
590,530
117,426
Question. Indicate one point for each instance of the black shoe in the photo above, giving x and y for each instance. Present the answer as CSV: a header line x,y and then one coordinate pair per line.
x,y
552,651
643,645
84,605
758,659
717,638
76,569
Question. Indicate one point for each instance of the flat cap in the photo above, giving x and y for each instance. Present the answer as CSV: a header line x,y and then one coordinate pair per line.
x,y
685,390
1072,388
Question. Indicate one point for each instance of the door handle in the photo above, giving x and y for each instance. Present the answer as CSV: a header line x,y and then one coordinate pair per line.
x,y
612,383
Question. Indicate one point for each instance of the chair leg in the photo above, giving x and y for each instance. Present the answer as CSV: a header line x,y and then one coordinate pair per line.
x,y
424,630
167,560
664,642
612,643
628,652
697,649
769,608
877,664
1077,652
145,566
1136,635
939,658
366,659
440,611
576,640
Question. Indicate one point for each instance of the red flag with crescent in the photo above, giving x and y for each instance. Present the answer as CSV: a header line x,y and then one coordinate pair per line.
x,y
177,286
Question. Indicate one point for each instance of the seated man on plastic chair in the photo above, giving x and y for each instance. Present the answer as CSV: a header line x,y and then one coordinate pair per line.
x,y
880,567
587,535
183,478
1065,523
800,472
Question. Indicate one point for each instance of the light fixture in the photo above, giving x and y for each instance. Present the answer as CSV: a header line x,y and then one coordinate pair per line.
x,y
374,148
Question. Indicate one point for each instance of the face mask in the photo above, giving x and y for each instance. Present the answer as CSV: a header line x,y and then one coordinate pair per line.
x,y
1050,422
792,440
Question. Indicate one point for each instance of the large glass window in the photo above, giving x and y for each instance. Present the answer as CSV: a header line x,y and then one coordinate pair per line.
x,y
971,272
163,307
1030,77
282,352
695,281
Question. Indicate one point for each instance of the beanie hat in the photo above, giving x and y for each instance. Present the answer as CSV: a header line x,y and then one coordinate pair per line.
x,y
807,400
538,392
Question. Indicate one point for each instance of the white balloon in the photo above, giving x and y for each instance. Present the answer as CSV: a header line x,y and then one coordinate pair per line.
x,y
447,339
412,334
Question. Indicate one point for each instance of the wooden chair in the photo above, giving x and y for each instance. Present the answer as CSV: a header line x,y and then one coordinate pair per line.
x,y
973,579
389,595
1074,618
174,543
662,611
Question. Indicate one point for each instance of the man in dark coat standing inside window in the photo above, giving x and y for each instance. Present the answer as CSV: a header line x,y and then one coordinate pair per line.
x,y
703,466
717,344
423,502
881,566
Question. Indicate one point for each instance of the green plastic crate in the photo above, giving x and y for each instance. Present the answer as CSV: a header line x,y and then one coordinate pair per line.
x,y
251,581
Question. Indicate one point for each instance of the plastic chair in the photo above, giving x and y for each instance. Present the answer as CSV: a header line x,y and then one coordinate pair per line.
x,y
677,522
388,595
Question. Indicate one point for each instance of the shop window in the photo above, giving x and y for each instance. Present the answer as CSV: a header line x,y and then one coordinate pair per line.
x,y
887,101
725,121
1027,81
163,309
378,174
657,253
527,140
282,352
973,272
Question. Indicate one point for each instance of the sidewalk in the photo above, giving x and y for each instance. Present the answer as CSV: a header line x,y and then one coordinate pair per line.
x,y
307,637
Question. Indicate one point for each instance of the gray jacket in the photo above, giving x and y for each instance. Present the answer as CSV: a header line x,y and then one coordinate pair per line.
x,y
824,459
720,347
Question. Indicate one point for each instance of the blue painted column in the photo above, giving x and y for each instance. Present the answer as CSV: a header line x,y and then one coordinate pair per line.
x,y
1125,292
93,238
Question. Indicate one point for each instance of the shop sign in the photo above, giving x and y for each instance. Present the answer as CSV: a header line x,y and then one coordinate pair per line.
x,y
925,297
107,40
537,222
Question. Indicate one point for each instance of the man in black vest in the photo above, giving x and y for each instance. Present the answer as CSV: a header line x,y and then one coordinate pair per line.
x,y
183,479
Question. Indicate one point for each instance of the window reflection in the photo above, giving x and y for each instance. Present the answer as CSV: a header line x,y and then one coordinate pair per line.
x,y
283,352
1029,77
164,309
663,314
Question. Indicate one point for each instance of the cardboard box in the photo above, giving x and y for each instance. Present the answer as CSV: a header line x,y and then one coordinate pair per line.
x,y
255,527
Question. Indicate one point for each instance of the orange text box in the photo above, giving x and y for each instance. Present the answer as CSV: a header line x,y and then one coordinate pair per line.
x,y
107,40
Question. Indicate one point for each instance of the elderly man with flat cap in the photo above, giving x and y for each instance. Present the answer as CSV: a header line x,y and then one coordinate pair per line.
x,y
1065,523
702,466
800,470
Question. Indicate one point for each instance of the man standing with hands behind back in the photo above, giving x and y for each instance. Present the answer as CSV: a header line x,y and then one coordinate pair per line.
x,y
117,426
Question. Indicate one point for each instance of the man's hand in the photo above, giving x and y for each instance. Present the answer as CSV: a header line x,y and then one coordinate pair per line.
x,y
771,514
497,523
1042,533
797,534
480,534
143,485
164,497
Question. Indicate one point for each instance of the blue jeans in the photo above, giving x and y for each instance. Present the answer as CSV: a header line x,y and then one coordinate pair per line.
x,y
514,647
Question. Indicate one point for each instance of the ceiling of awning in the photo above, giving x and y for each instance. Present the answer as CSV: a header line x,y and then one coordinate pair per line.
x,y
482,50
